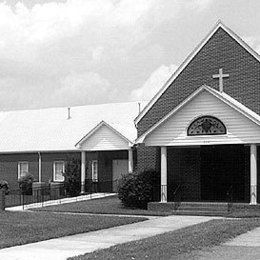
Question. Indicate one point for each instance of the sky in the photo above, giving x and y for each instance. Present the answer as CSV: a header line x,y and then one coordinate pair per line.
x,y
80,52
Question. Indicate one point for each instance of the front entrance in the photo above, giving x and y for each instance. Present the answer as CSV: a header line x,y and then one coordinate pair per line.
x,y
120,167
222,170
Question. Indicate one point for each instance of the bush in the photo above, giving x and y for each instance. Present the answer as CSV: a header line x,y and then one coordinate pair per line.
x,y
72,176
5,186
135,189
25,184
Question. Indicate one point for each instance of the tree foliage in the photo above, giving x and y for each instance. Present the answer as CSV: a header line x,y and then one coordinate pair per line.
x,y
72,176
5,186
25,183
136,189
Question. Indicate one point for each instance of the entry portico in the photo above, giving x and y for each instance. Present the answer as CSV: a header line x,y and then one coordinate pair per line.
x,y
214,128
111,148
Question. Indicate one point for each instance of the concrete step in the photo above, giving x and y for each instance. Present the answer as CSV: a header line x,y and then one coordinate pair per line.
x,y
199,212
202,208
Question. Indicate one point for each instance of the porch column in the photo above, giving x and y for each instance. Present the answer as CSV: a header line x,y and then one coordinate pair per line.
x,y
253,174
163,174
130,160
83,171
40,166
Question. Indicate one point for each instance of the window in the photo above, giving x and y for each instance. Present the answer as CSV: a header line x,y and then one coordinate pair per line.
x,y
95,170
22,169
206,125
58,170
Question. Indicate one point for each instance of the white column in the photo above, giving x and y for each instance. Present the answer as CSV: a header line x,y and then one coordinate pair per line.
x,y
253,174
40,167
163,174
130,160
83,171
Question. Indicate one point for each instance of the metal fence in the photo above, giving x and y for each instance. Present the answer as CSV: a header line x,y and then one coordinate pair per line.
x,y
50,192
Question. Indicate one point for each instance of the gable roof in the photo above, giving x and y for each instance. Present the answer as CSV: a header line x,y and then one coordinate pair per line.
x,y
218,25
220,95
51,130
96,128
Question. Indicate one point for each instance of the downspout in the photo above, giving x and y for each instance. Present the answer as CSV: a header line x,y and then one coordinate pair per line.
x,y
40,167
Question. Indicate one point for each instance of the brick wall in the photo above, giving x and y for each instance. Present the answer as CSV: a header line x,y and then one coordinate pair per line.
x,y
9,167
148,158
49,158
221,51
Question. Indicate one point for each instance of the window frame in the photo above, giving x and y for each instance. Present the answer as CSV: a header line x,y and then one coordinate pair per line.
x,y
94,171
54,170
19,168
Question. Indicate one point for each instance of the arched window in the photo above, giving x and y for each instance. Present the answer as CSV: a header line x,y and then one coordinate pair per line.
x,y
206,125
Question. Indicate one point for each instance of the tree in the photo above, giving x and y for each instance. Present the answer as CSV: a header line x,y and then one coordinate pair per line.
x,y
136,189
72,176
25,184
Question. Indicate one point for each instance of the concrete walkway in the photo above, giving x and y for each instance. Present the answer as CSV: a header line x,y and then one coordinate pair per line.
x,y
245,246
61,248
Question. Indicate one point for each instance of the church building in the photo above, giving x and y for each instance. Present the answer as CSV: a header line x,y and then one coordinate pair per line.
x,y
201,131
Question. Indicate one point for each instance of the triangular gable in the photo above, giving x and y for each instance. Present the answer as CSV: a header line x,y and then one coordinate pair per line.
x,y
190,58
216,104
104,137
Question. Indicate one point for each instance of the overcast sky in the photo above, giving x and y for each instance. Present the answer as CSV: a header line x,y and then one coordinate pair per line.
x,y
76,52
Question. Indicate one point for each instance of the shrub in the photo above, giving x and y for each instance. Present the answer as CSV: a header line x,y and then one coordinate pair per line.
x,y
25,184
72,176
135,189
5,186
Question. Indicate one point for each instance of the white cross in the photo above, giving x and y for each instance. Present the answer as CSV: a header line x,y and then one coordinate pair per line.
x,y
220,76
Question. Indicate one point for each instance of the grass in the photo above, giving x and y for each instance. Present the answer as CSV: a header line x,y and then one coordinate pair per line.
x,y
17,228
178,244
107,205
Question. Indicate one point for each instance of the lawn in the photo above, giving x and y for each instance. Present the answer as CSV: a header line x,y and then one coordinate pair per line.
x,y
107,205
17,228
179,244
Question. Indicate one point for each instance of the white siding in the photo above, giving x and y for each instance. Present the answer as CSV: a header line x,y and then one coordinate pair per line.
x,y
173,132
104,139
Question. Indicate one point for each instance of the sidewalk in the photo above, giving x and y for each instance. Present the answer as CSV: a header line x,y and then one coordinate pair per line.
x,y
61,248
245,246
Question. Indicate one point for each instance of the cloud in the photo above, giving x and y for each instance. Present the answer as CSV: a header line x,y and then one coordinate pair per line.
x,y
77,47
154,83
253,42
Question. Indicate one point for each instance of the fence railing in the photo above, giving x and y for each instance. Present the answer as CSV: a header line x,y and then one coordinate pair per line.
x,y
57,191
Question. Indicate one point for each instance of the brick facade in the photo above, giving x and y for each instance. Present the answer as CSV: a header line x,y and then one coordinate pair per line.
x,y
221,51
49,158
9,165
243,84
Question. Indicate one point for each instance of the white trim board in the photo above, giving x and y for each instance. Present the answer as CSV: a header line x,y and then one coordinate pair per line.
x,y
189,59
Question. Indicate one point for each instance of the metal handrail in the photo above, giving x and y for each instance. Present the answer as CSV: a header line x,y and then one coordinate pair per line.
x,y
175,193
230,197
